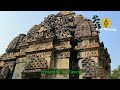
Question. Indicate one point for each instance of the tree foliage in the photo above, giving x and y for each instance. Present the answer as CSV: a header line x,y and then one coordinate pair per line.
x,y
116,73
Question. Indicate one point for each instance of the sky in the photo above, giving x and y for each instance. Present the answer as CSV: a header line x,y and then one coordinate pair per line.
x,y
13,23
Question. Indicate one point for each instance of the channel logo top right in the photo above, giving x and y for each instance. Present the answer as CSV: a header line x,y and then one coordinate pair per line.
x,y
106,23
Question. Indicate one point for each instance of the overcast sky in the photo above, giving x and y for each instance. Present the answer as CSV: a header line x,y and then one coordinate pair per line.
x,y
13,23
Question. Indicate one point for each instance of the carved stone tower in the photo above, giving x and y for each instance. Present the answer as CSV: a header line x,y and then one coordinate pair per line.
x,y
62,41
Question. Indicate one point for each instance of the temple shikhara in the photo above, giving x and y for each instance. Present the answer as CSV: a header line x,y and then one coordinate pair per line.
x,y
64,41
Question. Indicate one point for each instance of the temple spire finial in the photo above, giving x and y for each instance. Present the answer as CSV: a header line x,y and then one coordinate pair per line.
x,y
65,12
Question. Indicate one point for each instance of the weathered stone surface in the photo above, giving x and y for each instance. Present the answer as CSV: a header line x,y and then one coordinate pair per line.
x,y
87,46
63,45
84,54
62,64
38,47
61,41
18,69
14,44
36,64
8,56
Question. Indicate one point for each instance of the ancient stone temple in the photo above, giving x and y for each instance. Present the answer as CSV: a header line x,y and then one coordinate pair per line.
x,y
64,41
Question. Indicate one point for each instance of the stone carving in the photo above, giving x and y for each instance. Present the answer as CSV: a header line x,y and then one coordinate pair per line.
x,y
87,54
63,55
14,44
62,45
63,34
8,56
33,29
39,35
31,38
56,43
79,19
83,30
38,55
24,42
38,63
65,12
5,72
39,47
88,66
86,46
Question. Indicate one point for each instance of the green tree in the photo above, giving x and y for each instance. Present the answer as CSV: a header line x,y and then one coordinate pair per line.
x,y
116,73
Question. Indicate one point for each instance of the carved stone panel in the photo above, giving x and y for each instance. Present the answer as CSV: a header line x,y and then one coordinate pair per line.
x,y
24,42
33,29
86,46
38,55
83,30
8,56
63,45
38,63
31,38
38,47
49,34
88,67
79,19
39,35
87,53
42,55
63,34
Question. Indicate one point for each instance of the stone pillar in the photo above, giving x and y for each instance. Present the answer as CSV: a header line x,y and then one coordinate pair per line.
x,y
62,63
20,65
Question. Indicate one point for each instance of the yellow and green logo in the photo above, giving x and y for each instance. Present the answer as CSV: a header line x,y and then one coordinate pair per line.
x,y
106,23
